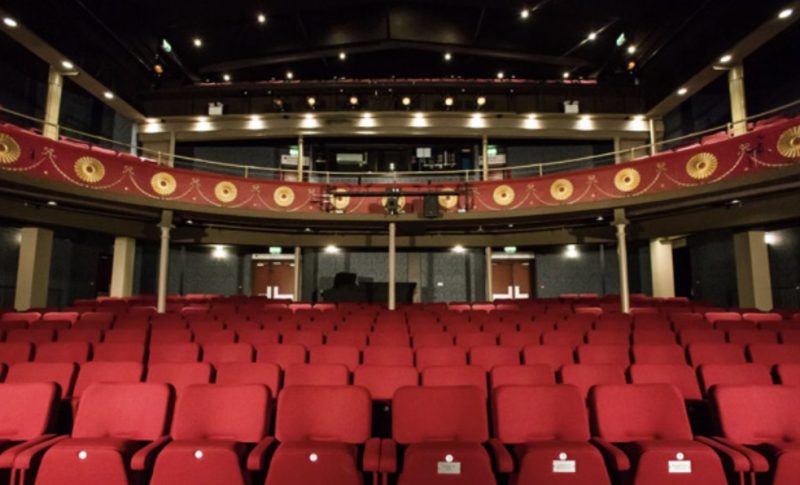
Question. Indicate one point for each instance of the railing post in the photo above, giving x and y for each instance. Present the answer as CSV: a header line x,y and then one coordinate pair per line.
x,y
246,171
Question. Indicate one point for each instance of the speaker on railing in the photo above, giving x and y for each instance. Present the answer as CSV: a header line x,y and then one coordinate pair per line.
x,y
430,207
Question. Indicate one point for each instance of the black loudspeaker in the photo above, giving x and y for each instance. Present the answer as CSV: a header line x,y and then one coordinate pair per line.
x,y
431,207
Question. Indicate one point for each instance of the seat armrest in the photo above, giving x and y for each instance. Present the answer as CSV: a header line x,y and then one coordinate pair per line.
x,y
23,460
503,461
10,454
758,462
256,460
612,454
736,460
372,455
388,456
145,457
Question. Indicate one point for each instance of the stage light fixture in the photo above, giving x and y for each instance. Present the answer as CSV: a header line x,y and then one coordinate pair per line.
x,y
725,59
342,56
785,13
481,100
312,101
501,75
448,101
226,78
289,75
448,56
198,42
10,22
682,91
354,100
525,13
108,95
459,249
631,49
592,36
406,101
262,19
565,75
67,65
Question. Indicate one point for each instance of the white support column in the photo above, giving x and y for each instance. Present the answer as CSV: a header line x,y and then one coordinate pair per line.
x,y
738,99
661,268
489,293
163,262
52,107
33,271
300,157
651,125
298,275
485,157
122,266
752,270
622,256
392,266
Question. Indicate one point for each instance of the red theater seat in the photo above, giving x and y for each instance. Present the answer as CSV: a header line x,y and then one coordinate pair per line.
x,y
346,355
427,340
604,354
174,353
307,338
77,352
649,424
316,375
761,421
133,335
347,337
61,373
170,336
26,414
14,352
442,428
179,375
701,336
110,439
679,375
549,429
467,340
390,339
733,375
752,336
31,335
609,337
382,381
456,375
772,354
214,429
118,352
105,372
585,376
321,431
214,337
700,354
437,356
80,335
264,373
94,321
282,355
555,356
520,339
521,375
403,356
490,356
653,337
227,352
658,354
788,374
255,336
563,337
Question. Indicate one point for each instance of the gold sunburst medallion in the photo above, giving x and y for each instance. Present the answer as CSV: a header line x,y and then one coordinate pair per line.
x,y
503,195
448,201
789,143
702,165
283,196
627,180
226,191
9,149
163,184
340,202
90,170
561,189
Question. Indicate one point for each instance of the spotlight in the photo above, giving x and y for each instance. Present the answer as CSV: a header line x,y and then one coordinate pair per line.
x,y
198,42
770,238
289,75
354,100
406,101
262,19
312,101
571,252
785,13
67,65
219,252
448,56
501,75
448,101
158,69
592,36
332,249
682,91
631,49
10,22
226,78
459,249
52,203
342,56
525,13
726,59
631,65
481,100
108,95
565,75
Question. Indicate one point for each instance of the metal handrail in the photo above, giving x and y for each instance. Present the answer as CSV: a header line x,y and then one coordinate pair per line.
x,y
466,174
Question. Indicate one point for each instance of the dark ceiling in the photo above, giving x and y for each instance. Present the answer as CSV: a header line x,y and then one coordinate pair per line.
x,y
119,41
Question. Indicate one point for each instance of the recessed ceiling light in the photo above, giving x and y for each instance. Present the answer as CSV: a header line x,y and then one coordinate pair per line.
x,y
262,19
448,101
312,101
600,218
592,36
406,101
289,75
785,13
190,222
331,249
354,100
501,75
226,78
448,56
52,203
197,41
726,58
631,49
525,13
67,65
565,75
682,91
342,56
108,95
10,22
459,249
481,100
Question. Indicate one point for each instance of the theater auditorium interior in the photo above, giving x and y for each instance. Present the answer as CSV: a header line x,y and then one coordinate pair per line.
x,y
400,242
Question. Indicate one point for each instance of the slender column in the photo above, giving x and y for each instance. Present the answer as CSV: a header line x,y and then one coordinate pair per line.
x,y
163,262
622,256
651,125
489,296
485,157
300,156
33,272
752,270
298,276
122,266
661,268
738,99
52,108
392,266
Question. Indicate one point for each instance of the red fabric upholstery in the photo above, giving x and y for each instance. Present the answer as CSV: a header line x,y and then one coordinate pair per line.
x,y
469,340
456,375
316,375
788,374
61,373
264,373
97,372
118,352
604,354
427,340
390,339
772,354
681,376
567,338
306,338
520,339
521,375
609,337
282,355
174,353
490,356
352,338
382,381
134,335
403,356
701,336
80,335
700,354
555,356
658,354
31,335
170,336
25,410
752,336
436,356
347,355
653,337
77,352
733,375
15,352
179,375
585,376
227,352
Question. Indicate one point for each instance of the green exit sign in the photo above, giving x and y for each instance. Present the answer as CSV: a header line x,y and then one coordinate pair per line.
x,y
275,250
492,149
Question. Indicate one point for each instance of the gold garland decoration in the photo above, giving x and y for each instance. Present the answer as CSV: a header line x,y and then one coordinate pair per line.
x,y
448,201
503,195
163,184
283,196
90,170
340,202
9,149
702,165
789,143
627,180
226,191
561,189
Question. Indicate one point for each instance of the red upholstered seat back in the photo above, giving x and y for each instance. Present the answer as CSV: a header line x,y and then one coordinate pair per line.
x,y
624,413
423,414
754,415
25,410
382,381
132,411
539,413
219,412
456,375
324,413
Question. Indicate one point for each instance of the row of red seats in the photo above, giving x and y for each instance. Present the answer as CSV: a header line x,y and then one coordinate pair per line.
x,y
221,434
